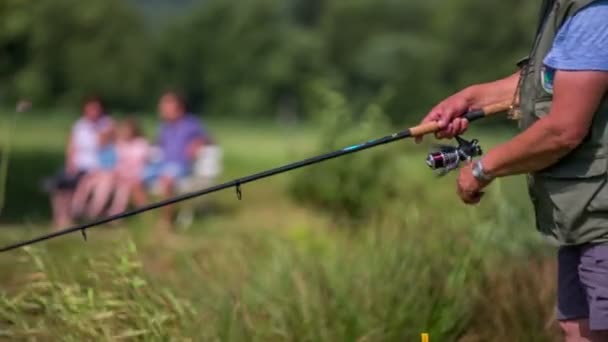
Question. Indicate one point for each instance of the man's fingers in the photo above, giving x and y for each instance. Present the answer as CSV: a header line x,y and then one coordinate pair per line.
x,y
457,126
465,125
448,121
454,128
441,135
469,197
475,198
446,133
434,115
472,197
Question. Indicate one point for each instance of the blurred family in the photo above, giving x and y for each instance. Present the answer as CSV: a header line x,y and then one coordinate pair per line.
x,y
110,165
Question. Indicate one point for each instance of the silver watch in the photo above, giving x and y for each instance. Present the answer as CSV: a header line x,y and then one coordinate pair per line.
x,y
479,173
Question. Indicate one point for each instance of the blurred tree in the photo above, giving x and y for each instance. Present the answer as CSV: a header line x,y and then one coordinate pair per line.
x,y
159,13
376,45
252,58
58,50
240,58
483,39
306,12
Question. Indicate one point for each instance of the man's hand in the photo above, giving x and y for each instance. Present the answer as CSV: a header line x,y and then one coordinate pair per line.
x,y
469,188
447,114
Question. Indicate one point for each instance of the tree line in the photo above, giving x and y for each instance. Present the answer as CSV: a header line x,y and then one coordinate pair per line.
x,y
259,57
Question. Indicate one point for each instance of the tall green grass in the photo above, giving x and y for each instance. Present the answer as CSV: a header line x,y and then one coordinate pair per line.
x,y
110,300
8,131
269,269
387,283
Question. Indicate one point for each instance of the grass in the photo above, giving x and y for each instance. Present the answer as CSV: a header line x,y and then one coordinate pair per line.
x,y
268,269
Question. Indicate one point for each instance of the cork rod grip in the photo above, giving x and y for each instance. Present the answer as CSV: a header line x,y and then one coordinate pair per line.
x,y
424,129
432,127
497,108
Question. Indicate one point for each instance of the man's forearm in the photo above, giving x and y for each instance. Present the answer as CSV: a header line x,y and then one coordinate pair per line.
x,y
577,95
533,150
481,95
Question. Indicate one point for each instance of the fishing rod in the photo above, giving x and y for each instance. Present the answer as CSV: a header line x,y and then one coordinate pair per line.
x,y
445,159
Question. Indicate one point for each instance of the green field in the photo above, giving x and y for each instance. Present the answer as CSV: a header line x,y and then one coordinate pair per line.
x,y
270,269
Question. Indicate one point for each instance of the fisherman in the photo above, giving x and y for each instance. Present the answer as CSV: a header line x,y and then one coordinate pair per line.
x,y
562,105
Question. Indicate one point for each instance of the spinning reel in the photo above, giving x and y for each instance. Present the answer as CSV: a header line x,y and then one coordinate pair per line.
x,y
446,158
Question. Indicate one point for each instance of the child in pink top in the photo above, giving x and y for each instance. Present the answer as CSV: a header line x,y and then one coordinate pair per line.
x,y
133,151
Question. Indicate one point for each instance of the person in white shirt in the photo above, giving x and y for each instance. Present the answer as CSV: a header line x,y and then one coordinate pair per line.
x,y
122,160
81,158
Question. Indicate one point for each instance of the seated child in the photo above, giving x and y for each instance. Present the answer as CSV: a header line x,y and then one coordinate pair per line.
x,y
133,152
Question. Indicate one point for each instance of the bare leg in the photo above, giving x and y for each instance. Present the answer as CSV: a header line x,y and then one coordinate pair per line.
x,y
120,200
104,185
575,331
61,201
578,331
140,197
166,187
81,195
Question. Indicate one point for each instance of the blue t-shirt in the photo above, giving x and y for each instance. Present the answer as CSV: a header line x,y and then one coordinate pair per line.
x,y
581,43
175,138
107,157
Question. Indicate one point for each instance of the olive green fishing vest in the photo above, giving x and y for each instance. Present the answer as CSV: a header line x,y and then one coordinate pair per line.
x,y
571,197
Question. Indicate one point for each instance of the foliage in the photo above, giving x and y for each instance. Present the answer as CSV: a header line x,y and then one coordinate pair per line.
x,y
256,58
483,39
112,302
357,186
60,50
245,59
268,269
384,283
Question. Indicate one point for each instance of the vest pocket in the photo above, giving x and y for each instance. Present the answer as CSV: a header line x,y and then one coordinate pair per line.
x,y
563,206
569,196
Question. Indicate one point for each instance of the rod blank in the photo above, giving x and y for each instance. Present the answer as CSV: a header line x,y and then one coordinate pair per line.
x,y
416,131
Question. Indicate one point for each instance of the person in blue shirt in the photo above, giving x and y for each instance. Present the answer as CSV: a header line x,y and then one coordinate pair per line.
x,y
181,137
573,83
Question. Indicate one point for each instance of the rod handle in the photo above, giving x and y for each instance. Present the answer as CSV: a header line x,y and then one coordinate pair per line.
x,y
488,110
432,127
424,129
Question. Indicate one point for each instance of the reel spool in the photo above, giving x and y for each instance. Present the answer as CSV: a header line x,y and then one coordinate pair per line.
x,y
447,158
